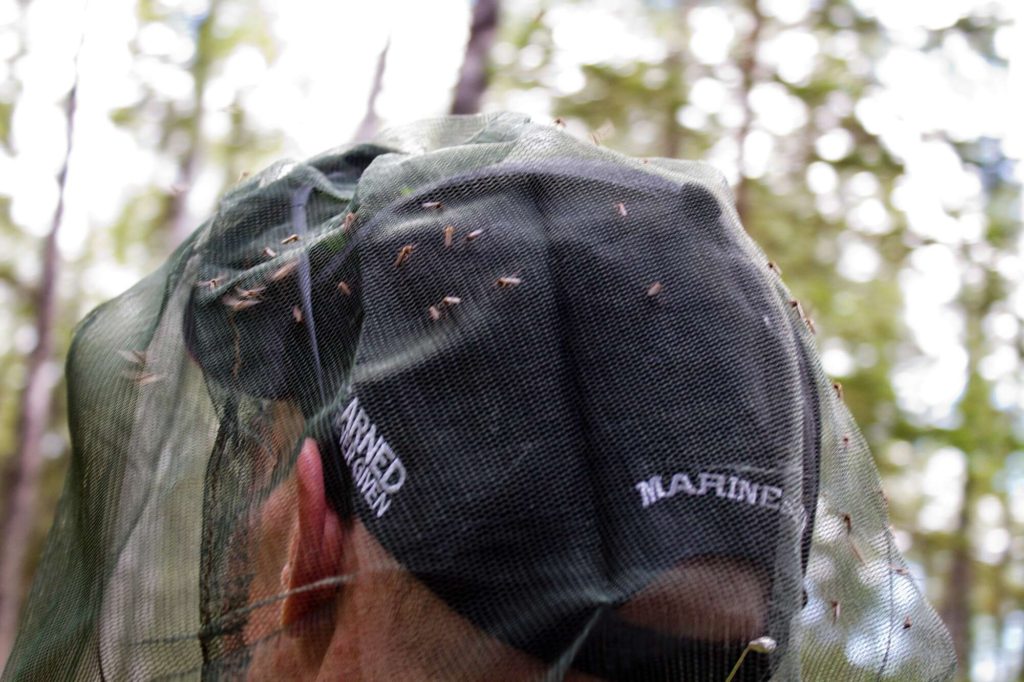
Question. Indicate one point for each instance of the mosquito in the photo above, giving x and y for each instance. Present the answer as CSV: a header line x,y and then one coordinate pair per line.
x,y
249,293
507,282
211,283
403,254
237,304
283,271
136,357
143,378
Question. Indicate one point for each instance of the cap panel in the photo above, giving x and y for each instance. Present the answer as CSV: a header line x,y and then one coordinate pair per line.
x,y
515,437
555,399
494,513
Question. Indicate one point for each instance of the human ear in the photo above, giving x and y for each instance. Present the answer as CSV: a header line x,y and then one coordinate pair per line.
x,y
316,547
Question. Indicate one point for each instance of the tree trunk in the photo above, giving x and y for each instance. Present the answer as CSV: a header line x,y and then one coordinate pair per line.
x,y
1001,606
984,436
21,479
371,122
672,137
177,212
957,608
473,76
748,69
675,68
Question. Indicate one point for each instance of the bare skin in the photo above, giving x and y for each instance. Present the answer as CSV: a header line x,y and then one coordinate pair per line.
x,y
378,622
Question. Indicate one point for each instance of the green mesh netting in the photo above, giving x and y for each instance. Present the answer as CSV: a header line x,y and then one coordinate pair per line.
x,y
560,400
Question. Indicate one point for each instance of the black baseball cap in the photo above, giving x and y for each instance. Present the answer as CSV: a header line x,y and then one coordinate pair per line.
x,y
553,381
613,385
544,376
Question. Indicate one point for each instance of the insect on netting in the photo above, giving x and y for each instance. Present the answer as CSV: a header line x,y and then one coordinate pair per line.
x,y
559,391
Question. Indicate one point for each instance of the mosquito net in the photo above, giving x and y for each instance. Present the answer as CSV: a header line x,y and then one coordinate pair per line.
x,y
558,391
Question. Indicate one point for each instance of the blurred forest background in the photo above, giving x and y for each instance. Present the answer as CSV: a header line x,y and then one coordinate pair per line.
x,y
874,148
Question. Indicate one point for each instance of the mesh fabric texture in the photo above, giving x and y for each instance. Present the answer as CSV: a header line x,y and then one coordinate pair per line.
x,y
542,375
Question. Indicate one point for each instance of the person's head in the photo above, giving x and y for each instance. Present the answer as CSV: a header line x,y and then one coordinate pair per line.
x,y
576,430
479,402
